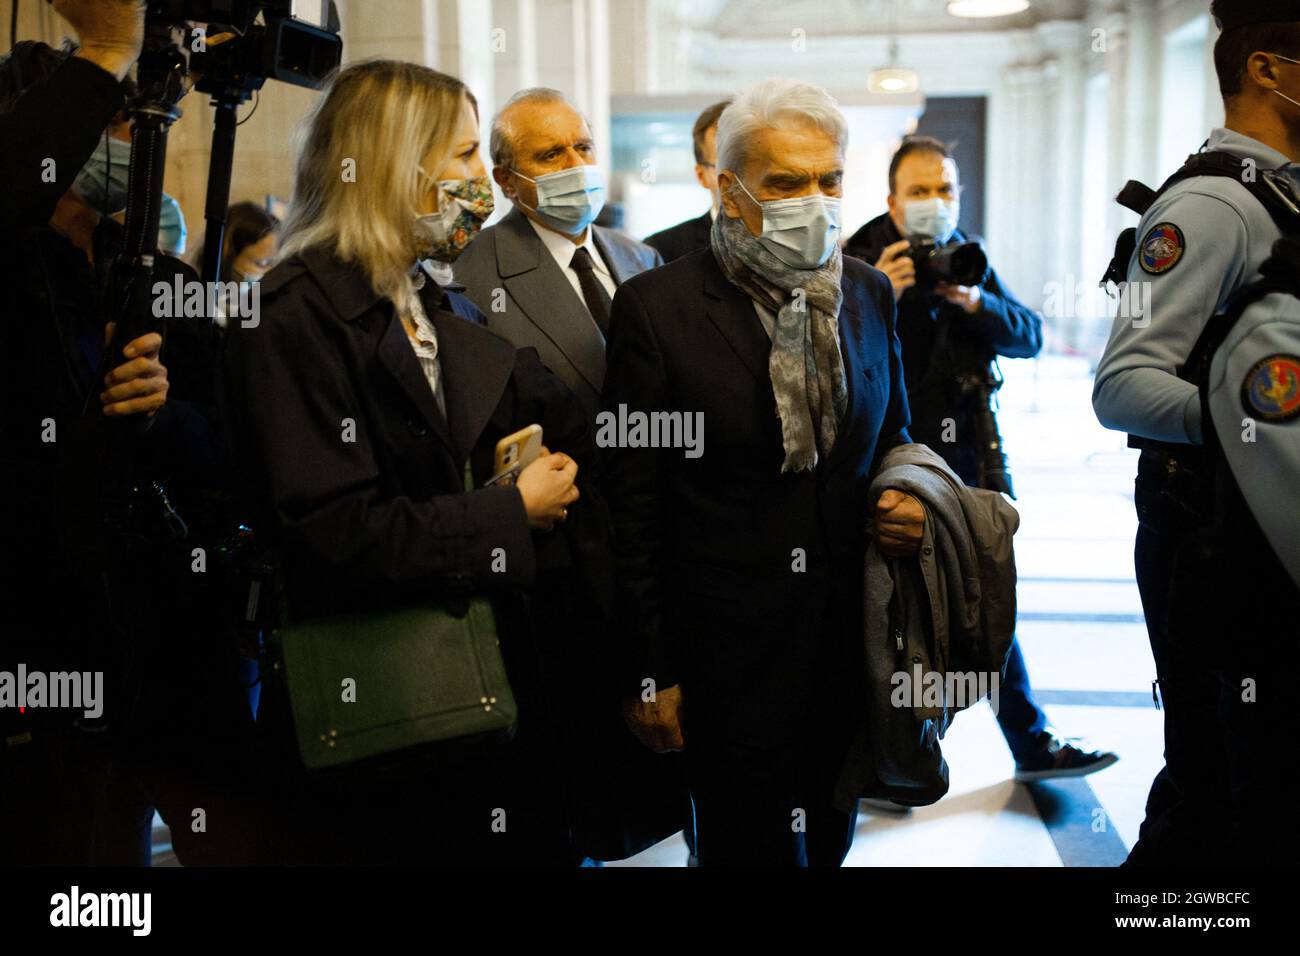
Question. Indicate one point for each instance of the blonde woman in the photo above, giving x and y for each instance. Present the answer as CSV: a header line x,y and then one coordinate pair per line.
x,y
355,402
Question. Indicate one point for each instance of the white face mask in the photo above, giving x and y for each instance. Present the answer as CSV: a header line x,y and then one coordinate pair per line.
x,y
801,232
568,200
930,219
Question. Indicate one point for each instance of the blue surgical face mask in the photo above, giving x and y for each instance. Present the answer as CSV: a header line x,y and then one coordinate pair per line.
x,y
801,232
568,200
930,219
171,227
104,182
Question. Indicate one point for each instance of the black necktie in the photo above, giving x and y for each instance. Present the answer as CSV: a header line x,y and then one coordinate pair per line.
x,y
593,290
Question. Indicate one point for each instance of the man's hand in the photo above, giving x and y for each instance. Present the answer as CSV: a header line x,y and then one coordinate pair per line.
x,y
969,297
111,31
139,384
657,723
898,265
900,524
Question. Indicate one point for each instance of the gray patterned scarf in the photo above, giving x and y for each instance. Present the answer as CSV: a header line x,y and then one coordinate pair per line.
x,y
805,363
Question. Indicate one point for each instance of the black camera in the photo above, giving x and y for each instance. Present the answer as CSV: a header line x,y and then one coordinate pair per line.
x,y
244,42
960,263
229,48
978,387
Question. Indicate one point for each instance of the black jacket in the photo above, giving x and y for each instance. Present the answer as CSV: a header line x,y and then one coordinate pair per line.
x,y
380,514
940,342
385,518
48,136
683,238
178,702
707,547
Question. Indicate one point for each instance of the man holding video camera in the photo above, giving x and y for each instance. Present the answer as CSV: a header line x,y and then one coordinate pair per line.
x,y
76,792
954,318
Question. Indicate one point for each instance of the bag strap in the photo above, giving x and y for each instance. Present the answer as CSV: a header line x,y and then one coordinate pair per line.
x,y
1274,193
1281,273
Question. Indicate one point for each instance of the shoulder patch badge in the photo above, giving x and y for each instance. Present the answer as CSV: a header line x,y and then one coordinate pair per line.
x,y
1162,248
1271,391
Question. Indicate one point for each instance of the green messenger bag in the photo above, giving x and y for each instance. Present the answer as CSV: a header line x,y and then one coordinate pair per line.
x,y
386,692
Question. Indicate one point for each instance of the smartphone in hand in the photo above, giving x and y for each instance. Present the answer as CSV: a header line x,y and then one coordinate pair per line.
x,y
514,453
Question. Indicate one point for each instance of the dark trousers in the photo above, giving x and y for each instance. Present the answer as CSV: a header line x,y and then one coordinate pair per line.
x,y
1191,791
74,798
504,806
1019,716
766,732
69,800
1232,644
758,807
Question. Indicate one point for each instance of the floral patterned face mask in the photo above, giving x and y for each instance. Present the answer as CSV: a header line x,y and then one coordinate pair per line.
x,y
462,207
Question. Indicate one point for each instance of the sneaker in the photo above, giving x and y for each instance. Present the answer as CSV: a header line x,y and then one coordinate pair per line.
x,y
1059,756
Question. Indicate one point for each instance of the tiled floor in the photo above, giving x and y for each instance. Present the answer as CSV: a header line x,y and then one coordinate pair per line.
x,y
1083,638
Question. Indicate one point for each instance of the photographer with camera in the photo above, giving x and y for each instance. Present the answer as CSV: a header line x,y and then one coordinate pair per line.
x,y
954,318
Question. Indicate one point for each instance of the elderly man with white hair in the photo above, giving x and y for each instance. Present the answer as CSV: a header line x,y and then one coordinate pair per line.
x,y
740,570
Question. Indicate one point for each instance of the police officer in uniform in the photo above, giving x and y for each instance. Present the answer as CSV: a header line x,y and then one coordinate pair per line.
x,y
1203,239
1241,571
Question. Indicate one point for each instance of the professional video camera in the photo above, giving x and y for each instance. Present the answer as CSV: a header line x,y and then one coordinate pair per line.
x,y
960,263
227,49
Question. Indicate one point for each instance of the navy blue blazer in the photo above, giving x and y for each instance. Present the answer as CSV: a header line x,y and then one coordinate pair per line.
x,y
721,558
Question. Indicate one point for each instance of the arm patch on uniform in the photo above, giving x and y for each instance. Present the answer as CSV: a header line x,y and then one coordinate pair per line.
x,y
1271,391
1162,248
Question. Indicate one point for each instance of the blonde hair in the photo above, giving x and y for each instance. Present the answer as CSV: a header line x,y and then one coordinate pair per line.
x,y
377,120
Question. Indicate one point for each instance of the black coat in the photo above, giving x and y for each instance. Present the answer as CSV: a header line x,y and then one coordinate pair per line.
x,y
941,342
50,490
386,519
683,238
709,591
52,130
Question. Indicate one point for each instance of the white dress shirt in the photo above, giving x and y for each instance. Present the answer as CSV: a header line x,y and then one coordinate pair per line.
x,y
562,249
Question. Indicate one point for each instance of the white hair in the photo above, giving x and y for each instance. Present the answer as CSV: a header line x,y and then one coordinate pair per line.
x,y
776,104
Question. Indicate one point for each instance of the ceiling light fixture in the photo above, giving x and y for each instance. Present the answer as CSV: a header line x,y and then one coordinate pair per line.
x,y
986,8
893,78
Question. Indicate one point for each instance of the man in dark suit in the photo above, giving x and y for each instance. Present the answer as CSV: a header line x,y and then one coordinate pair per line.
x,y
740,568
678,240
545,275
